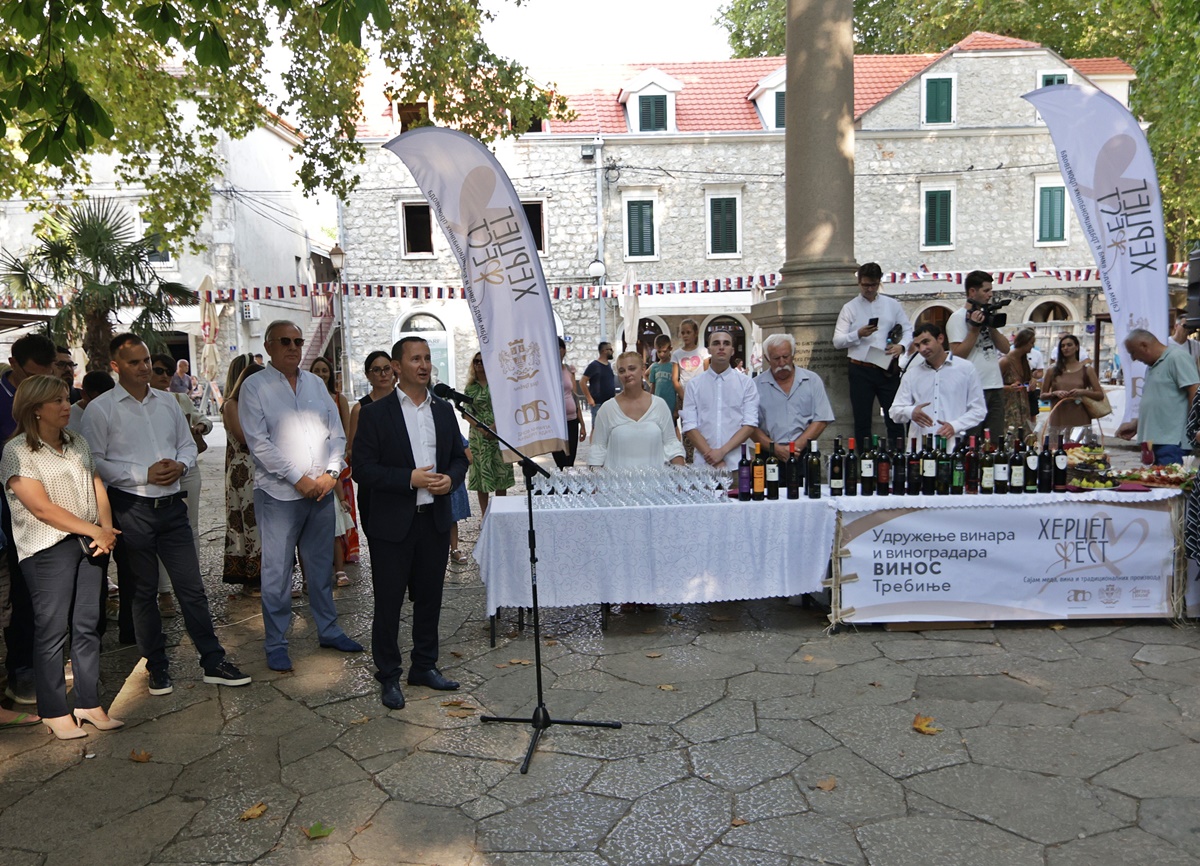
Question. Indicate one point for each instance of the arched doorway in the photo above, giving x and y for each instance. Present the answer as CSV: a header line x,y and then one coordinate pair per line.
x,y
1049,311
935,315
648,332
735,329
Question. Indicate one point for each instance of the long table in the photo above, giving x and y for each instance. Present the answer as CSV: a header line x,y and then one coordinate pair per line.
x,y
661,554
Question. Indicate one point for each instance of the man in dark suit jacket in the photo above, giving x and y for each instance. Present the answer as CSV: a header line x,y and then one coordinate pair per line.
x,y
408,456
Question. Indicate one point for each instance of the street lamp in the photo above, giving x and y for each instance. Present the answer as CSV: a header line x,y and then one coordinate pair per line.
x,y
597,272
337,258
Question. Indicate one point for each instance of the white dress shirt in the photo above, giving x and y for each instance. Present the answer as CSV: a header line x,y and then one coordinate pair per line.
x,y
620,442
128,436
855,314
290,434
952,391
422,434
718,405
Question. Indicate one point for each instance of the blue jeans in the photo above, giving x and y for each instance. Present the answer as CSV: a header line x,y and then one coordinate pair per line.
x,y
1165,455
285,525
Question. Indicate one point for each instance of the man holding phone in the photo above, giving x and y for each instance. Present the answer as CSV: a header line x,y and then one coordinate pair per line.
x,y
874,330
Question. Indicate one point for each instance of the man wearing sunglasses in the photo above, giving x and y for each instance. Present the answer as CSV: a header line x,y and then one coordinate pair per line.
x,y
296,440
64,368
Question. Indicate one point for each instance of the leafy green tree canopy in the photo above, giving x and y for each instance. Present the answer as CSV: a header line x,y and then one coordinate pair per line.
x,y
153,86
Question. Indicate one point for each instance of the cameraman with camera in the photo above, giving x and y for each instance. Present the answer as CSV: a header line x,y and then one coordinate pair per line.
x,y
975,333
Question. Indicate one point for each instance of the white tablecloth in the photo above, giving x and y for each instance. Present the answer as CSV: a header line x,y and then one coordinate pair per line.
x,y
995,500
677,554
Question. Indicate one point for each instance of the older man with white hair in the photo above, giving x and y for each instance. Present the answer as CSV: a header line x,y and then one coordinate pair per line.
x,y
792,404
1167,394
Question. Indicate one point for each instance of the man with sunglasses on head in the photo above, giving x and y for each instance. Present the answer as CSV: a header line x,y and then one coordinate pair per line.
x,y
298,447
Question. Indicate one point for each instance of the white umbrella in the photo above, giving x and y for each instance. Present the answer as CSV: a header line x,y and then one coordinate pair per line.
x,y
210,360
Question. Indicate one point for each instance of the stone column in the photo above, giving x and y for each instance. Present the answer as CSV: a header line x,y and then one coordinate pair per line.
x,y
818,276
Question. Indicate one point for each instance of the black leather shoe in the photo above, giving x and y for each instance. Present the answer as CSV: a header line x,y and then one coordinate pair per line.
x,y
433,679
391,695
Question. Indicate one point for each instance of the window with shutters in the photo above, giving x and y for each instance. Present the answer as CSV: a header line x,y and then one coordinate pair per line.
x,y
724,229
1049,79
639,229
652,113
780,108
1050,212
938,99
937,217
418,230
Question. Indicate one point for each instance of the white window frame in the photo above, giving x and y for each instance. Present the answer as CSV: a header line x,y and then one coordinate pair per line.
x,y
1041,181
640,193
171,263
953,122
634,107
937,186
720,190
404,253
1037,85
543,202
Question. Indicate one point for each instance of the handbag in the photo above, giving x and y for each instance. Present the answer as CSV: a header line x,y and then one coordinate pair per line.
x,y
1097,408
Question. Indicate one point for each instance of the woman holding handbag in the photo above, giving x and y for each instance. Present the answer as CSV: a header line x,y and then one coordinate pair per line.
x,y
1068,383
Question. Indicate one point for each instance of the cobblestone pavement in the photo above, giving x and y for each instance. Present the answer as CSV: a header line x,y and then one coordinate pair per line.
x,y
750,737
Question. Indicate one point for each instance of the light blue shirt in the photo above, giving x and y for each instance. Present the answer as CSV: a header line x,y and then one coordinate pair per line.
x,y
784,417
128,435
290,434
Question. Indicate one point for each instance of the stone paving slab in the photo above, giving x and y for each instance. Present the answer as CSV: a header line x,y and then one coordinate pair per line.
x,y
775,744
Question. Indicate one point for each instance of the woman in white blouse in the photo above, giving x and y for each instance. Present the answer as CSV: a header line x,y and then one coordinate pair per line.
x,y
634,429
61,523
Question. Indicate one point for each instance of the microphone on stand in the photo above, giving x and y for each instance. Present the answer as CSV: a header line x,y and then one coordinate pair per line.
x,y
441,389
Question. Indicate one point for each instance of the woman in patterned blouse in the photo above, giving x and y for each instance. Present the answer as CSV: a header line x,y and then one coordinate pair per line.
x,y
61,524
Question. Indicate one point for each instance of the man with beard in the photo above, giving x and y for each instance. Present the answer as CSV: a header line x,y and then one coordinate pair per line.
x,y
792,404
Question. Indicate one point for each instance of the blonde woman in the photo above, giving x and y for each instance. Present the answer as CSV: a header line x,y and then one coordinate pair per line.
x,y
634,429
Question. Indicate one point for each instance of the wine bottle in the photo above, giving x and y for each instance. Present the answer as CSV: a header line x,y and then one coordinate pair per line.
x,y
987,466
744,477
1016,467
928,467
915,469
812,480
850,470
1045,468
837,470
866,468
1060,467
971,464
958,470
945,468
899,470
772,473
758,470
1033,467
794,472
883,468
1001,467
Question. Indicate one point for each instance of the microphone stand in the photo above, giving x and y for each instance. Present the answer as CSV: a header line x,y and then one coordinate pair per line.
x,y
541,716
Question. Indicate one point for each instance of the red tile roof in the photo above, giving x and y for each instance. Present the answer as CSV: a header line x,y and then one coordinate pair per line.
x,y
877,75
1102,66
982,41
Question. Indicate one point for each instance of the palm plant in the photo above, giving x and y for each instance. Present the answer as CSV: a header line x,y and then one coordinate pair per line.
x,y
90,260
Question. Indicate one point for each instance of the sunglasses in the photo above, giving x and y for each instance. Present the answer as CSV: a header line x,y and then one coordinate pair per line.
x,y
377,371
288,341
161,371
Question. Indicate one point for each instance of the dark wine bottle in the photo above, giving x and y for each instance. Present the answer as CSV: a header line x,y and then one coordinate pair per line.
x,y
1033,467
928,467
1001,467
971,464
915,469
837,470
772,473
1016,467
987,466
958,470
812,479
850,473
1060,467
945,468
883,468
744,477
866,469
794,472
758,476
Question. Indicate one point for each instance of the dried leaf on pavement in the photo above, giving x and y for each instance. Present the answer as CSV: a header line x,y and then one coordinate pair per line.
x,y
454,702
139,757
653,655
739,822
464,713
256,811
667,688
924,725
806,658
1058,626
362,720
318,830
827,784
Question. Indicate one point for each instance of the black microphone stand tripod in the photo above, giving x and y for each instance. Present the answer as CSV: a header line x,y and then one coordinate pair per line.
x,y
541,716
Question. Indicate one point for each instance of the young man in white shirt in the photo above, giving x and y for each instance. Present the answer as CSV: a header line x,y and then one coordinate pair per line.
x,y
874,331
939,394
981,344
142,447
720,406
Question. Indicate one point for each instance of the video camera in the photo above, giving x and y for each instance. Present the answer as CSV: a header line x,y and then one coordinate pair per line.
x,y
991,318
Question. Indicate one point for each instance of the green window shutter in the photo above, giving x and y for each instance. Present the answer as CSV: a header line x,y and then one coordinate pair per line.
x,y
723,223
937,218
1052,216
641,228
652,113
939,100
1050,79
780,103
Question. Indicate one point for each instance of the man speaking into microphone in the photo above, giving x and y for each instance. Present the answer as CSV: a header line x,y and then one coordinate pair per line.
x,y
408,457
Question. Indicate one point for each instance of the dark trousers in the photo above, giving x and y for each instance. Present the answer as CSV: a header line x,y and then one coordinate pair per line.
x,y
563,459
64,586
415,564
18,636
868,384
994,421
151,534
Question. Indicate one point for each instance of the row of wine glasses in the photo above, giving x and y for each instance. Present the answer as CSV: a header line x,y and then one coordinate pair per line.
x,y
616,488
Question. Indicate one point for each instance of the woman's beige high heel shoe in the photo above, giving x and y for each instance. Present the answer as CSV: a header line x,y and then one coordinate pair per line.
x,y
64,727
101,724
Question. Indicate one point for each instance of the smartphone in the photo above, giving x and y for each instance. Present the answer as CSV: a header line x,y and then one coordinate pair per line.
x,y
873,322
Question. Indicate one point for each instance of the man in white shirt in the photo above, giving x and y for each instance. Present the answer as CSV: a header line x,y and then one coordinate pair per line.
x,y
720,406
142,447
939,394
982,345
874,330
298,446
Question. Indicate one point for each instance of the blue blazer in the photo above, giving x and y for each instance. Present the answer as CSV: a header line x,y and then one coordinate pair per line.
x,y
384,462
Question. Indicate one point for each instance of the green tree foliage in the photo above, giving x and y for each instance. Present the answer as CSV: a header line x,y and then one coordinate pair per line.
x,y
1159,38
90,256
153,86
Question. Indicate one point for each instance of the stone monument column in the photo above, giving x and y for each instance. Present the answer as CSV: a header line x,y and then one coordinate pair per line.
x,y
818,276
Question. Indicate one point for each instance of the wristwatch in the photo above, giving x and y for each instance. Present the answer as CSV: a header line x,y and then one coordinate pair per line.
x,y
332,473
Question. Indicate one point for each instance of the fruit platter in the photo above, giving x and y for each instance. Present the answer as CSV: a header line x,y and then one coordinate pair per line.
x,y
1088,463
1158,476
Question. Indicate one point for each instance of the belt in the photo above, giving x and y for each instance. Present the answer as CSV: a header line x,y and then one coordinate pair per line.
x,y
858,363
421,509
151,501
